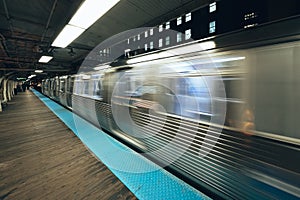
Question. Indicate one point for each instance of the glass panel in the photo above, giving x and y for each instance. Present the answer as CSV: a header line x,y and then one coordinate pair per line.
x,y
188,17
212,7
179,21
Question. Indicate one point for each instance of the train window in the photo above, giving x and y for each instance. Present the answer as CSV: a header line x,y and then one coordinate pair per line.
x,y
212,7
188,17
179,37
179,21
77,85
167,25
167,40
188,34
160,43
71,85
233,87
212,27
62,85
86,87
97,88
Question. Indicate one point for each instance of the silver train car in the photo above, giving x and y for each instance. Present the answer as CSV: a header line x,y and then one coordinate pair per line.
x,y
225,118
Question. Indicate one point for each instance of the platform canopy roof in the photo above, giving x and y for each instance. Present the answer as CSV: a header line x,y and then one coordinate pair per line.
x,y
28,28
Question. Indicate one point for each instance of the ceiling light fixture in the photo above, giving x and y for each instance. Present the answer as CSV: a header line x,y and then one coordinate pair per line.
x,y
45,59
31,76
87,14
67,35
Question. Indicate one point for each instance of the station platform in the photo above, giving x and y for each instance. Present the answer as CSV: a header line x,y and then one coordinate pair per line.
x,y
44,157
41,158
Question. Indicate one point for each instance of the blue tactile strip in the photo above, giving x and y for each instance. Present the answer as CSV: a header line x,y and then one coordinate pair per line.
x,y
145,179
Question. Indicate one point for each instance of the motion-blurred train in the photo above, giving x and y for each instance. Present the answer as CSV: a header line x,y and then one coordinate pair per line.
x,y
222,114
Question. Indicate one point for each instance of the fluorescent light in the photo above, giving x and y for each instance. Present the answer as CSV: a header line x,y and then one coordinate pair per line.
x,y
67,35
86,77
90,11
31,76
38,71
149,57
228,59
207,45
102,67
175,52
45,59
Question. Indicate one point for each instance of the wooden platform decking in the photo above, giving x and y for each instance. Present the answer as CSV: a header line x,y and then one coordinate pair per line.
x,y
42,159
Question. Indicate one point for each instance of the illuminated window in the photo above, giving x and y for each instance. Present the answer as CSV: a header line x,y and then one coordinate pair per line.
x,y
146,47
167,40
212,27
128,41
188,17
188,34
138,37
179,37
160,28
151,45
151,31
160,42
167,25
212,7
146,34
179,21
134,38
250,16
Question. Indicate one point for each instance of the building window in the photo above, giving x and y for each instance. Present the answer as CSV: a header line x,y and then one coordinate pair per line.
x,y
146,47
160,42
212,7
250,16
151,31
167,40
167,25
151,45
160,28
188,34
212,27
179,37
100,52
188,17
134,38
146,34
128,41
179,21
